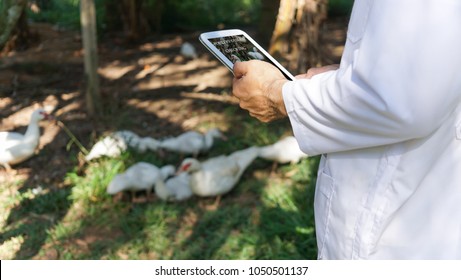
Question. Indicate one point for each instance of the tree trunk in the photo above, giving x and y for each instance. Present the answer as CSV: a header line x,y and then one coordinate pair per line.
x,y
88,22
267,22
134,21
13,22
310,21
295,40
157,20
279,46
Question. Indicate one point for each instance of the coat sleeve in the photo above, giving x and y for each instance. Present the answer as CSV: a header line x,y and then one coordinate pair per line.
x,y
398,80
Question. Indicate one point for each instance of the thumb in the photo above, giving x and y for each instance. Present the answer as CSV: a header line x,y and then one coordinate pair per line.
x,y
240,69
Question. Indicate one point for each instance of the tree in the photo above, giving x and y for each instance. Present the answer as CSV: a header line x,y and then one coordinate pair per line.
x,y
268,12
134,21
88,22
13,22
137,18
295,40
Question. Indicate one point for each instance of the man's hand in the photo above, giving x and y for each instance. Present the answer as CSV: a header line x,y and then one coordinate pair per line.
x,y
258,86
317,70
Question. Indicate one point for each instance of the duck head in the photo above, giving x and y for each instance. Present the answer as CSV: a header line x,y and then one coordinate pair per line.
x,y
118,183
150,143
40,114
189,165
166,171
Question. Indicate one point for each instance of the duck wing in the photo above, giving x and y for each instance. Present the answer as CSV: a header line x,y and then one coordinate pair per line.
x,y
217,176
244,158
13,148
9,139
143,175
283,151
190,142
132,140
111,146
179,187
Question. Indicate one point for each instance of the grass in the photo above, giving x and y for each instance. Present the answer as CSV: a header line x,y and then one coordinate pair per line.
x,y
268,215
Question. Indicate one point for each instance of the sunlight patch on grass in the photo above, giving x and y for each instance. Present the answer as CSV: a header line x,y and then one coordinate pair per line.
x,y
278,194
64,230
8,199
9,248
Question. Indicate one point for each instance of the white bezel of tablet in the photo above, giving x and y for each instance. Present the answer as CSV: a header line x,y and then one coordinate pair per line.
x,y
238,44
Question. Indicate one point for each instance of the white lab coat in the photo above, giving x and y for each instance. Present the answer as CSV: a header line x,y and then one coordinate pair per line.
x,y
388,123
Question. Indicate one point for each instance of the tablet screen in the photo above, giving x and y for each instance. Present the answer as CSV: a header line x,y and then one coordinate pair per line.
x,y
237,48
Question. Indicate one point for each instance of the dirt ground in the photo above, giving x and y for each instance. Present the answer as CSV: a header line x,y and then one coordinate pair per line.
x,y
148,88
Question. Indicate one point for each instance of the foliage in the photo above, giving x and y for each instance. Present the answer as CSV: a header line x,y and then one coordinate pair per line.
x,y
10,14
66,13
177,14
182,14
339,7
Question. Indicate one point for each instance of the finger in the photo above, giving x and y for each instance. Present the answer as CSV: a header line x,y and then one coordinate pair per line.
x,y
261,118
311,73
253,115
236,87
239,87
301,76
318,70
240,69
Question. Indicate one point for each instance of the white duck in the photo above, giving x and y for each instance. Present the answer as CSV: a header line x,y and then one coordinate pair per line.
x,y
141,144
16,147
192,142
188,50
285,150
110,146
116,143
176,188
217,176
255,54
235,58
141,176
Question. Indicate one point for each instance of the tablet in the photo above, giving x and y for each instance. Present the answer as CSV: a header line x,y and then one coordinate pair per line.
x,y
232,45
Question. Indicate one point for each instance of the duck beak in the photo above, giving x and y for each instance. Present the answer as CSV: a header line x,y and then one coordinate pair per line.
x,y
179,171
182,168
47,116
50,118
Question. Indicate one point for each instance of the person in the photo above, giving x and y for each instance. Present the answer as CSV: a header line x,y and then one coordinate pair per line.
x,y
387,122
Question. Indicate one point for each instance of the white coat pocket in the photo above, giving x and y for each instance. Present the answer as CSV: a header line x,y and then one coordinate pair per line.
x,y
324,192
